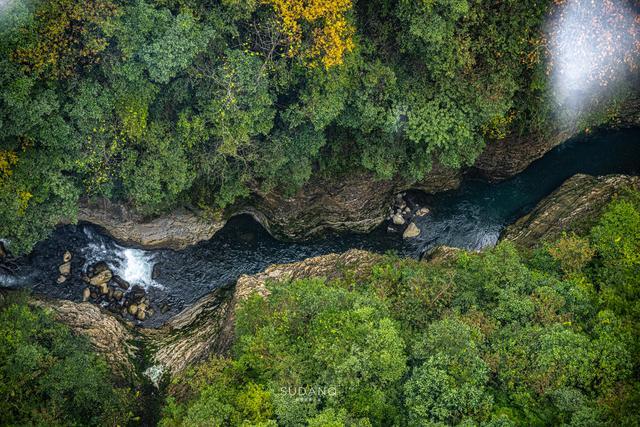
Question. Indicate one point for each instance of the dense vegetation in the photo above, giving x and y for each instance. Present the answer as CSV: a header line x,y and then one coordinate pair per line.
x,y
156,103
48,376
548,337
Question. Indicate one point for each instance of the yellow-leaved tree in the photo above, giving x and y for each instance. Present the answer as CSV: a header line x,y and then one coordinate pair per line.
x,y
323,22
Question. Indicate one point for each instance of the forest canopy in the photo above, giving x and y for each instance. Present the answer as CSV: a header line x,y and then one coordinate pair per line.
x,y
159,103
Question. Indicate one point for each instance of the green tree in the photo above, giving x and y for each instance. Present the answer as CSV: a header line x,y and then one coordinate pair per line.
x,y
51,377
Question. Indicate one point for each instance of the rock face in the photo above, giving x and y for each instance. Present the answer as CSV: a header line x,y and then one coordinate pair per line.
x,y
355,203
107,334
208,326
176,230
503,159
571,207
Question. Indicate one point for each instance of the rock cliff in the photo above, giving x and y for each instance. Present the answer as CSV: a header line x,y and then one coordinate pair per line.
x,y
175,230
572,206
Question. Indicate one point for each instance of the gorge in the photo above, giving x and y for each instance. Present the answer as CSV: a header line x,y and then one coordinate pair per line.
x,y
471,217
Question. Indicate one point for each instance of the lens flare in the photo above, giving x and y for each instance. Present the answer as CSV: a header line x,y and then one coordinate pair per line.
x,y
594,46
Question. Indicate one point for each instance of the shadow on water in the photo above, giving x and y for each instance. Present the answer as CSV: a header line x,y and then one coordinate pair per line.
x,y
470,217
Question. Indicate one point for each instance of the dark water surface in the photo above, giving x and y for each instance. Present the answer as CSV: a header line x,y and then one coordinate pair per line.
x,y
470,217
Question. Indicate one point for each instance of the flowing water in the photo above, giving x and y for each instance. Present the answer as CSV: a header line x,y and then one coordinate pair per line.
x,y
470,217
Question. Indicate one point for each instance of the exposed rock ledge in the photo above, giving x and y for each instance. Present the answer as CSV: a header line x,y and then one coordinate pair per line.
x,y
572,206
176,230
108,335
356,203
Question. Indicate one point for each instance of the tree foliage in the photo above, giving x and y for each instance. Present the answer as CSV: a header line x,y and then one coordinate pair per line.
x,y
161,103
48,376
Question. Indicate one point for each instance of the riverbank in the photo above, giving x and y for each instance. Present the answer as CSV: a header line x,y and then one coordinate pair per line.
x,y
352,203
207,326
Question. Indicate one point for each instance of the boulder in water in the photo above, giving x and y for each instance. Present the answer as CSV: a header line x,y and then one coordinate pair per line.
x,y
132,309
411,231
397,219
123,284
101,278
61,279
423,211
86,293
137,294
65,269
99,273
97,268
67,256
104,288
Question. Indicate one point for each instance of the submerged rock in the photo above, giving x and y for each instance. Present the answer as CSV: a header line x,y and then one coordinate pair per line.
x,y
61,279
411,231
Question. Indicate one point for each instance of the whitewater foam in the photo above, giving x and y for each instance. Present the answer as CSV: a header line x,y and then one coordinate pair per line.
x,y
133,265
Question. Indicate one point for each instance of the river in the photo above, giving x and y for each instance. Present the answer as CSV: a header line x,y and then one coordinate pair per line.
x,y
470,217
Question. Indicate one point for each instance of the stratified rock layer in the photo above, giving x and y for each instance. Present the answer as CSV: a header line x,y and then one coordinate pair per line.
x,y
176,230
573,206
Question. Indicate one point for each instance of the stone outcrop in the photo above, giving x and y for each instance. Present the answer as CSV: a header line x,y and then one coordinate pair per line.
x,y
176,230
354,203
193,334
573,206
